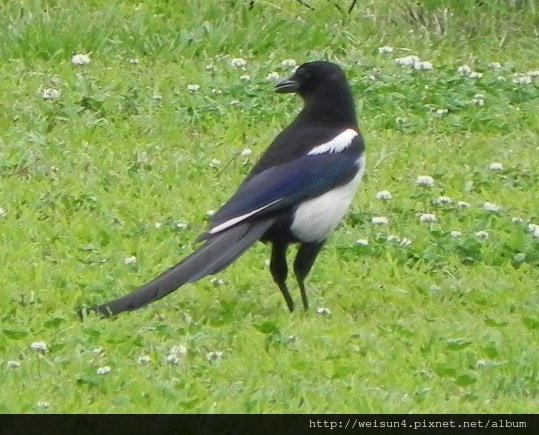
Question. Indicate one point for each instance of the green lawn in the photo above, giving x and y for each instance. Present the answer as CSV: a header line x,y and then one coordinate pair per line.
x,y
108,181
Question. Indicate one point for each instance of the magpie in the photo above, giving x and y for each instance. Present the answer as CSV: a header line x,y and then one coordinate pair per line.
x,y
297,192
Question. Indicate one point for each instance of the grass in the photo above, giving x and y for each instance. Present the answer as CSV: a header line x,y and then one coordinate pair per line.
x,y
445,324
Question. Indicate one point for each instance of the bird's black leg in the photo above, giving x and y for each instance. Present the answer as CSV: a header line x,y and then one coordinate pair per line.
x,y
307,253
279,270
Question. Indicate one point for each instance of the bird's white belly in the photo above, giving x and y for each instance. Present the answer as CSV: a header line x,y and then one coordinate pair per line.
x,y
316,218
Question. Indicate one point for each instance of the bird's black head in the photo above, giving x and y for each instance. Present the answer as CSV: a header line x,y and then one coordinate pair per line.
x,y
313,77
325,91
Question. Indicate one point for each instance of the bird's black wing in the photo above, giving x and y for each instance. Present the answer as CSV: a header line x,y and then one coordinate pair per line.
x,y
283,186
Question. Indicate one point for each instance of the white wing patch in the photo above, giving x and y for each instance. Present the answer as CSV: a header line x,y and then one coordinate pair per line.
x,y
337,144
237,219
316,218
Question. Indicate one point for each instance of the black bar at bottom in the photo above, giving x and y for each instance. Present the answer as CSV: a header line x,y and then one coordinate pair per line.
x,y
267,424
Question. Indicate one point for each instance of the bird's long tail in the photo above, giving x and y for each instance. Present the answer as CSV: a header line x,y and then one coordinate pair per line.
x,y
216,254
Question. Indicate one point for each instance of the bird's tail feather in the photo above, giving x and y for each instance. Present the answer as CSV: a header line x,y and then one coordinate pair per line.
x,y
216,254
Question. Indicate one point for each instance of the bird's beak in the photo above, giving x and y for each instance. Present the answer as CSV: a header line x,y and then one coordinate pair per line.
x,y
286,86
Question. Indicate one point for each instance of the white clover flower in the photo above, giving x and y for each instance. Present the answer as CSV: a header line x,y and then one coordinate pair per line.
x,y
42,404
180,350
425,180
214,356
180,225
50,94
218,282
478,99
401,121
405,242
464,70
105,370
443,200
273,76
386,49
238,62
517,220
427,218
407,60
491,207
129,261
39,346
134,61
496,166
423,65
482,235
362,242
193,87
214,163
535,232
463,204
323,311
3,212
289,63
80,59
245,77
209,67
456,234
393,238
496,65
210,213
157,97
144,359
13,365
246,152
175,354
157,225
292,338
380,220
534,73
384,195
519,257
482,363
523,80
172,359
475,75
441,112
372,78
216,91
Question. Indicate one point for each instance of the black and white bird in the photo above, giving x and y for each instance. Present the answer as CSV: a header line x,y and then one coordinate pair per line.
x,y
298,192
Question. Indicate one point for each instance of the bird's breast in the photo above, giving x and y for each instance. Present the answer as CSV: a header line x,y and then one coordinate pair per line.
x,y
316,218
